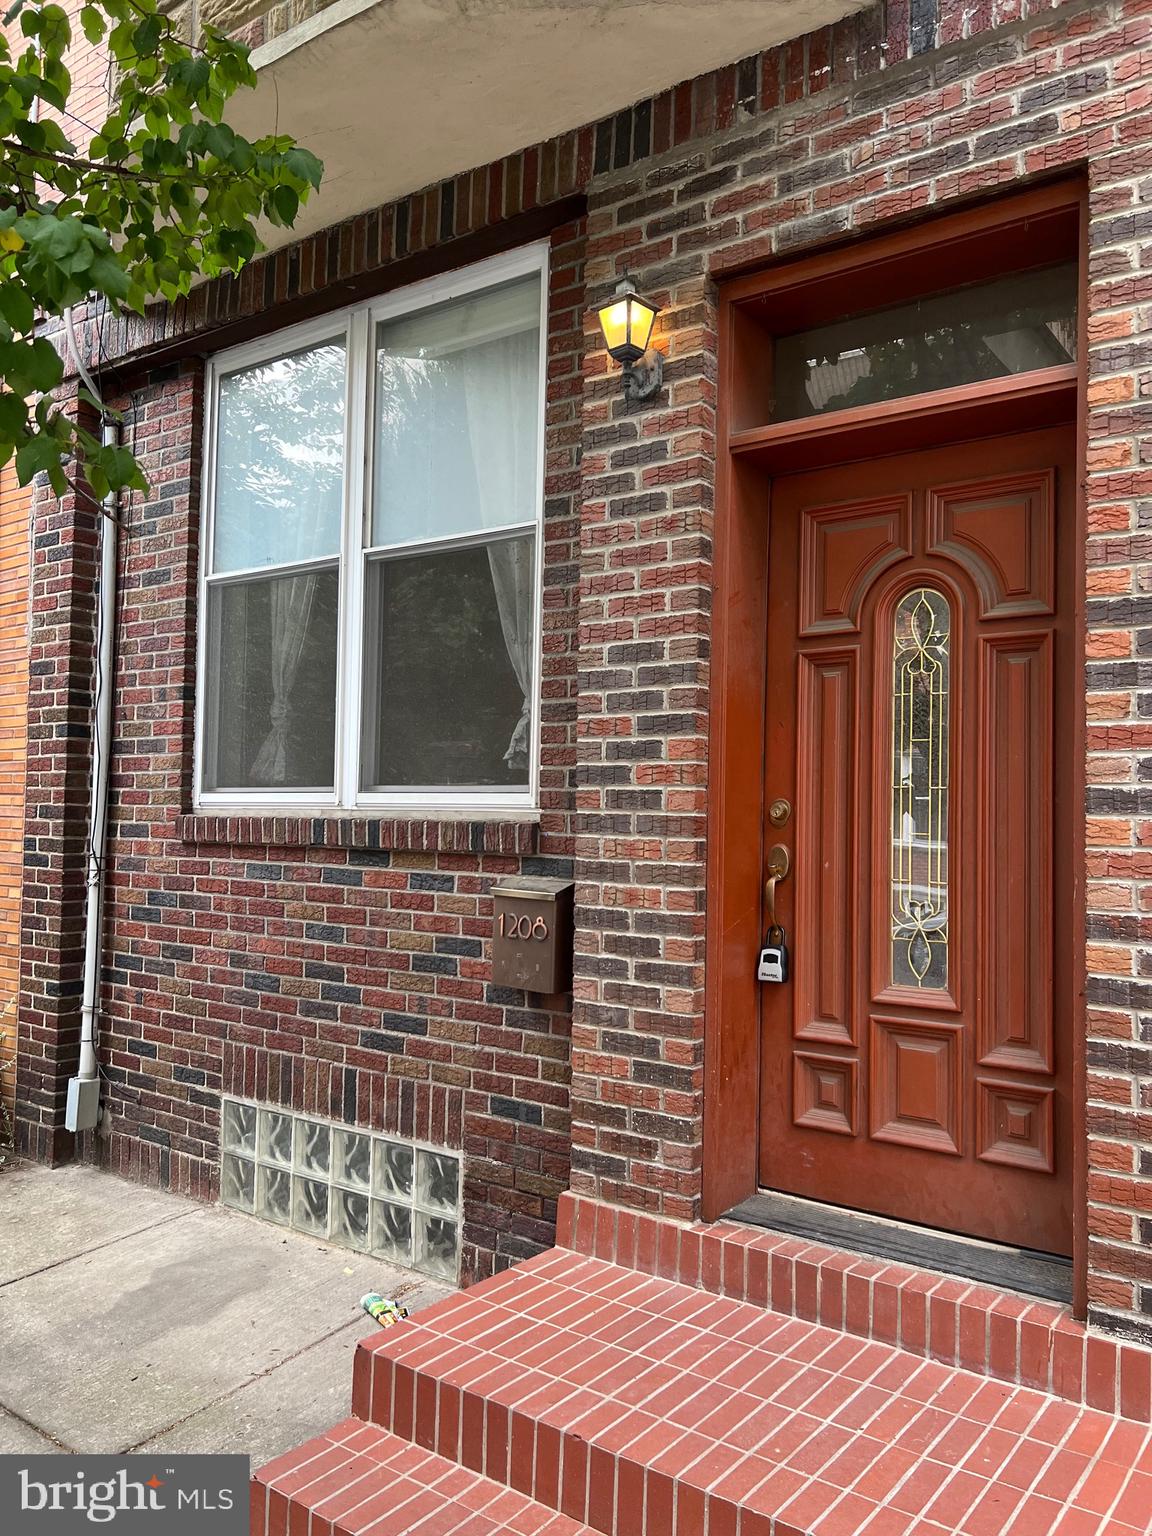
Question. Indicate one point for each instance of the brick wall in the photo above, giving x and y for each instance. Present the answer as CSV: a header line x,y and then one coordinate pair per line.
x,y
902,109
15,505
60,668
88,101
343,972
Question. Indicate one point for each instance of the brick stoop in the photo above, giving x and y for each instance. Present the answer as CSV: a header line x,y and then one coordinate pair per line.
x,y
640,1406
356,1477
997,1333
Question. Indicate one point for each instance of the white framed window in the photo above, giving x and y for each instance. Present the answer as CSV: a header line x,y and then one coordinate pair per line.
x,y
370,583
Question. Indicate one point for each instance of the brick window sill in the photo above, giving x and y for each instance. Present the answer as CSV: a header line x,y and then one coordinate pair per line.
x,y
408,834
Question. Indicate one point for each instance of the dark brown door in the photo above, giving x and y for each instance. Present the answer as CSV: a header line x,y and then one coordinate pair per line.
x,y
920,696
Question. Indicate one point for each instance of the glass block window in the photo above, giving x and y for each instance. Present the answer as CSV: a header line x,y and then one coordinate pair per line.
x,y
396,1200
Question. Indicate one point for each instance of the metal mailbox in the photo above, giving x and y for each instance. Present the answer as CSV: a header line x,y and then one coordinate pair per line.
x,y
532,934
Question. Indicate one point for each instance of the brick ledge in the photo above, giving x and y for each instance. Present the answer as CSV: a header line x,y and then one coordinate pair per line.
x,y
410,834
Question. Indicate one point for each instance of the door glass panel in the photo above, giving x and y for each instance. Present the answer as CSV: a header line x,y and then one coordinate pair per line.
x,y
984,331
920,709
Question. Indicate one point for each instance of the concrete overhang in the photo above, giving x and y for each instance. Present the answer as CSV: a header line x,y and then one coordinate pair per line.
x,y
394,95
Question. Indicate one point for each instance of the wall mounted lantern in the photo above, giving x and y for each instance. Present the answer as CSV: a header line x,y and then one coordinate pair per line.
x,y
626,321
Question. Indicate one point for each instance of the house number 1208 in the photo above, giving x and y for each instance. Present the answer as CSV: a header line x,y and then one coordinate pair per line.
x,y
522,927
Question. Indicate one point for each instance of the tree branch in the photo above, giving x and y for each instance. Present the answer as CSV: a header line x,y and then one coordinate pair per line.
x,y
76,163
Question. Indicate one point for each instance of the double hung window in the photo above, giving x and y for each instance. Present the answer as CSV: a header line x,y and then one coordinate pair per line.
x,y
371,570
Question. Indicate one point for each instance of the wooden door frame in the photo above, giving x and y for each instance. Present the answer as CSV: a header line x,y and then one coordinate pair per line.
x,y
987,239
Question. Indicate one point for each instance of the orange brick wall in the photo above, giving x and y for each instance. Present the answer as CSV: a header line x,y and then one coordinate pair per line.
x,y
88,100
13,714
88,103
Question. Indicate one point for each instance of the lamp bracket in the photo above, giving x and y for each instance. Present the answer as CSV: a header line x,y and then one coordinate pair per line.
x,y
644,377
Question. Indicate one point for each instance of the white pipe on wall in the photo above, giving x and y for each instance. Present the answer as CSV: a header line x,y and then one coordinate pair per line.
x,y
84,1089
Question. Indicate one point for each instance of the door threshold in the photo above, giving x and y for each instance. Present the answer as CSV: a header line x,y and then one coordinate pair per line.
x,y
1043,1275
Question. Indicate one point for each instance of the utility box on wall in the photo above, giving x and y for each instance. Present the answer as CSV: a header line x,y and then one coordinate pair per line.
x,y
532,934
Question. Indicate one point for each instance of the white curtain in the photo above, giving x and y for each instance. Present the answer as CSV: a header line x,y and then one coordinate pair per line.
x,y
502,393
512,563
291,600
443,376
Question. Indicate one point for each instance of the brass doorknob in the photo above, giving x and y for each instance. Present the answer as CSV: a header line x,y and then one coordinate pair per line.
x,y
779,861
778,864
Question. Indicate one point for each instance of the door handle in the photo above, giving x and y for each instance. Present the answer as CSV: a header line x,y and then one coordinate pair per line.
x,y
778,866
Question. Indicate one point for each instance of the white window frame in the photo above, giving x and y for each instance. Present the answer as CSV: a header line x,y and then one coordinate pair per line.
x,y
355,325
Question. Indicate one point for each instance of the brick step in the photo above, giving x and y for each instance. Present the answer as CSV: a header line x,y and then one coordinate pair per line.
x,y
628,1402
357,1477
995,1332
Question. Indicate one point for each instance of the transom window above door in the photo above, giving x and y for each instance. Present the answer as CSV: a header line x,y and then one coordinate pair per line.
x,y
987,330
370,587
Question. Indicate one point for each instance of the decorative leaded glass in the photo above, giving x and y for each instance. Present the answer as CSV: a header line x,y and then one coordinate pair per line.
x,y
920,689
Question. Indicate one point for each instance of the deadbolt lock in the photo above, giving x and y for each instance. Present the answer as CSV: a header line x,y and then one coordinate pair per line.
x,y
779,812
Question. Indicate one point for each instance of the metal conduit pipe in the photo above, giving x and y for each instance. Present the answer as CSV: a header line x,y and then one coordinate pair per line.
x,y
83,1106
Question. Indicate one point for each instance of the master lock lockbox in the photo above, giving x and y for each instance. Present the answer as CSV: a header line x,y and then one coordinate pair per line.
x,y
532,934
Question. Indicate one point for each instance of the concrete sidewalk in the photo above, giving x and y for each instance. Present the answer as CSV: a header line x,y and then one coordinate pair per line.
x,y
136,1320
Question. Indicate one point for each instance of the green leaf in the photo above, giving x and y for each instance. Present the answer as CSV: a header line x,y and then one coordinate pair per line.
x,y
218,140
45,369
55,29
109,277
305,165
93,22
30,134
97,405
121,468
16,306
53,94
54,239
97,480
286,203
147,35
30,366
13,416
38,453
191,74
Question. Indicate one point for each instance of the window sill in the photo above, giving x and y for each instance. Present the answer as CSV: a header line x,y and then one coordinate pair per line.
x,y
508,834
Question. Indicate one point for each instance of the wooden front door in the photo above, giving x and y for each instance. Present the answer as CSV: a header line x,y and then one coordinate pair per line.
x,y
920,701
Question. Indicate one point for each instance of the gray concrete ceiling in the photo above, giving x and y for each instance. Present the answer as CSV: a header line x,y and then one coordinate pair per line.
x,y
394,95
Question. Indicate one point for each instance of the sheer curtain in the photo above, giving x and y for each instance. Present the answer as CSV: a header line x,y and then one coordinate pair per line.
x,y
290,604
501,387
512,562
278,502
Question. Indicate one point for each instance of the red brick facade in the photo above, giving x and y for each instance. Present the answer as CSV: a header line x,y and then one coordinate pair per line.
x,y
15,506
337,968
348,972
